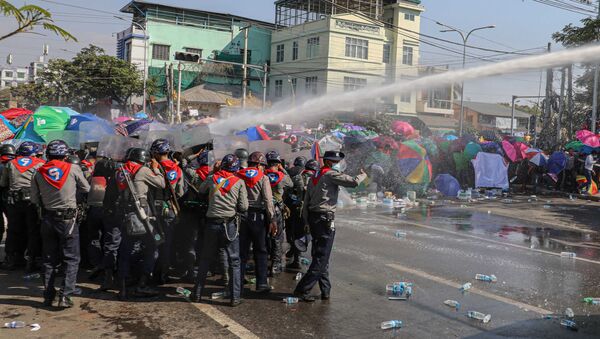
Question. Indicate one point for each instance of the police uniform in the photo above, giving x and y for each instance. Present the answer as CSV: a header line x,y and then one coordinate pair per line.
x,y
255,223
54,188
23,223
319,209
227,197
7,153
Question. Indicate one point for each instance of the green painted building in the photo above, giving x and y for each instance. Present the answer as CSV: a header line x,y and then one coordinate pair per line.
x,y
193,33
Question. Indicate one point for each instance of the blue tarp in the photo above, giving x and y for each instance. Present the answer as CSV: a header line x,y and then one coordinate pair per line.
x,y
447,185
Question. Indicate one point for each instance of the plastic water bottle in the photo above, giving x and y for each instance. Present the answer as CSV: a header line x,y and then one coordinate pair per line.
x,y
485,318
486,278
32,276
569,324
290,300
217,295
568,254
184,292
551,316
593,301
15,324
388,202
391,324
452,303
466,287
569,312
398,288
409,291
298,276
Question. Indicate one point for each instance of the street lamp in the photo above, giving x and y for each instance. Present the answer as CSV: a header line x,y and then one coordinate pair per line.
x,y
143,28
465,38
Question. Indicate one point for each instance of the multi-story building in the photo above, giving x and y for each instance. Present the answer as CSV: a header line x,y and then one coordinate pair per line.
x,y
12,77
323,47
207,35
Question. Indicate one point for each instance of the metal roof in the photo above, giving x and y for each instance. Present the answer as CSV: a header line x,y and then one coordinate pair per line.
x,y
441,121
206,94
496,110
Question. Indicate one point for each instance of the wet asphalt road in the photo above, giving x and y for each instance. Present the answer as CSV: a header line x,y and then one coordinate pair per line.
x,y
445,246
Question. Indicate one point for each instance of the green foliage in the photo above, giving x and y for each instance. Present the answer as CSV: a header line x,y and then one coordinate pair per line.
x,y
29,17
381,124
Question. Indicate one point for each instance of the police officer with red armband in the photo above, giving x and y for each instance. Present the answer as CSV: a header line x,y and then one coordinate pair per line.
x,y
54,188
7,153
227,198
258,221
23,224
320,202
280,182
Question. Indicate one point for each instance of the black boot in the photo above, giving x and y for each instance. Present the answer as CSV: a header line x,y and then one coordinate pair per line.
x,y
196,294
49,296
108,282
143,290
123,289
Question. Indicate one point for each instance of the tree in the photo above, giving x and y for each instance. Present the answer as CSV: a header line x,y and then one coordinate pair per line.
x,y
29,17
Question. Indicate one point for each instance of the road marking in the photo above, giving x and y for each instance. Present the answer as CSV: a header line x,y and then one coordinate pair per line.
x,y
220,317
489,240
474,290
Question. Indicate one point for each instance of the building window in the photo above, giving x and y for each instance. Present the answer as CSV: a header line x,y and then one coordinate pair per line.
x,y
357,48
8,74
294,83
387,51
312,47
407,55
199,51
21,75
311,85
352,84
280,53
278,88
160,52
409,16
295,50
405,97
389,23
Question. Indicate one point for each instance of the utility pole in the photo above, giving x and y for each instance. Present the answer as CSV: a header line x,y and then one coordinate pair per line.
x,y
570,98
171,85
179,67
561,105
512,115
244,68
548,105
265,74
595,92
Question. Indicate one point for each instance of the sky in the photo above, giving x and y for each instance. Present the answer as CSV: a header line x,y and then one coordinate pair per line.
x,y
520,25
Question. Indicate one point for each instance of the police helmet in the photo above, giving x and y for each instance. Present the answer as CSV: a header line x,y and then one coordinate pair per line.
x,y
312,165
57,149
334,156
300,161
27,148
230,163
202,159
160,146
7,149
273,157
138,155
241,153
73,159
257,158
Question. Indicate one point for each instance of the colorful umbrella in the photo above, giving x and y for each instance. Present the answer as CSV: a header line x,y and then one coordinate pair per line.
x,y
557,162
13,113
402,127
509,150
471,150
451,137
76,120
520,149
414,163
447,185
47,118
536,156
588,138
575,145
430,146
383,140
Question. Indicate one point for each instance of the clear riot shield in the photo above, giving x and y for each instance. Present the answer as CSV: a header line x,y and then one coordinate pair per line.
x,y
223,145
173,136
70,137
194,136
304,153
94,131
115,146
265,146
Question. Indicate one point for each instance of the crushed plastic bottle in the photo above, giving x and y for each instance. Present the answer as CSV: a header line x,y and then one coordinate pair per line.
x,y
184,292
388,202
32,276
593,301
569,312
507,201
551,317
465,287
304,261
485,318
298,276
391,324
15,324
218,295
568,324
399,288
452,303
290,300
400,234
486,278
568,254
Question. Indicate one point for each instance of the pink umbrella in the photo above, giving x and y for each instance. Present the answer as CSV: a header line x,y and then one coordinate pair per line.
x,y
121,119
509,150
402,127
520,149
588,138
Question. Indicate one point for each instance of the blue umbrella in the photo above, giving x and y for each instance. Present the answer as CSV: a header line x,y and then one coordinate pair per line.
x,y
447,185
556,163
76,120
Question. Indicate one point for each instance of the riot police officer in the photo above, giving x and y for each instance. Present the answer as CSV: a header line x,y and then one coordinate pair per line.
x,y
320,202
243,155
7,153
258,221
280,182
23,224
227,197
54,188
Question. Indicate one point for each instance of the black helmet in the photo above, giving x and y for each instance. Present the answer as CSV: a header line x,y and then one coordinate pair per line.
x,y
257,158
160,146
202,158
300,161
139,155
312,165
334,156
27,148
8,149
241,153
273,157
73,159
57,149
230,163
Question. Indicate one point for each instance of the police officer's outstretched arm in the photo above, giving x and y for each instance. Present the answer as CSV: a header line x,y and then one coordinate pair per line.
x,y
82,183
345,180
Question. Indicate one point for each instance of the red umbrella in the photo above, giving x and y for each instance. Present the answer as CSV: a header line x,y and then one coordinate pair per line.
x,y
520,149
402,127
12,113
509,150
381,141
588,138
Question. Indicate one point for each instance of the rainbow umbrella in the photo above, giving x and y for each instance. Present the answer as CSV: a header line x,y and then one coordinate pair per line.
x,y
414,163
536,156
402,127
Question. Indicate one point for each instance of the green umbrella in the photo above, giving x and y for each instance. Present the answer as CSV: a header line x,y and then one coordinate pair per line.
x,y
472,149
47,118
574,145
